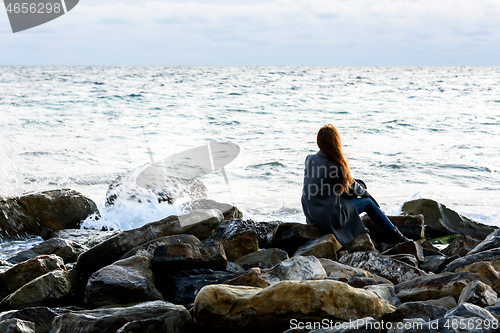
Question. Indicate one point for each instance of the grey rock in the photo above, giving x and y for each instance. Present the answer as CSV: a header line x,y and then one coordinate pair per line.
x,y
447,302
66,249
461,246
147,249
412,248
125,281
434,263
468,310
340,272
228,228
174,321
295,269
17,326
415,310
442,221
264,258
478,293
394,270
489,255
406,258
290,236
41,316
361,243
85,237
386,292
229,212
323,247
492,241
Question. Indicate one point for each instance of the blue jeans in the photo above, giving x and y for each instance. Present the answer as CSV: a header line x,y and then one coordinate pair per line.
x,y
373,211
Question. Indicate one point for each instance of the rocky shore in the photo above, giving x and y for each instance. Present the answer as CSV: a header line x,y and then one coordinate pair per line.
x,y
211,271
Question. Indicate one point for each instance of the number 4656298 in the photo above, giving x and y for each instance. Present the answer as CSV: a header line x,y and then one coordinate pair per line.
x,y
34,8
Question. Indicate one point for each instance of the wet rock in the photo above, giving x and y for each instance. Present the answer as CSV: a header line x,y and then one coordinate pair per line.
x,y
86,237
361,282
394,270
412,226
290,236
415,310
17,326
406,258
52,288
175,320
478,293
468,310
228,228
489,255
41,316
225,308
460,246
442,221
386,292
229,212
434,264
412,248
337,271
20,274
234,268
109,320
295,269
264,258
200,223
250,279
323,247
361,243
147,249
436,286
126,281
426,245
241,244
486,270
182,287
492,241
67,250
56,209
446,302
125,188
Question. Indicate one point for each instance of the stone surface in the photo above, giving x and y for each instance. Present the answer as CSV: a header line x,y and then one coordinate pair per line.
x,y
442,221
229,212
199,223
264,230
241,244
434,263
250,279
109,320
56,210
492,241
461,246
436,286
489,255
85,237
49,289
394,270
295,269
415,310
176,320
486,270
20,274
147,249
41,316
290,236
447,302
125,281
361,243
17,326
478,293
468,310
338,271
67,250
412,248
247,309
406,258
323,247
412,226
361,282
386,292
264,258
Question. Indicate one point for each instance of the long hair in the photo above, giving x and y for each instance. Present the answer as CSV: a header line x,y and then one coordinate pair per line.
x,y
329,143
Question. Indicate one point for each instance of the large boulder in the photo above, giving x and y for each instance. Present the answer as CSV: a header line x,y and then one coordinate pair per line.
x,y
361,243
290,236
201,224
442,221
489,255
20,274
86,237
55,210
15,325
147,249
53,288
461,246
394,270
337,271
295,269
176,320
41,316
323,247
436,286
478,293
412,226
66,249
112,319
247,309
411,247
241,244
228,228
125,281
229,212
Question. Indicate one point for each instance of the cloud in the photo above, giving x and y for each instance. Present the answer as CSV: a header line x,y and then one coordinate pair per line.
x,y
276,32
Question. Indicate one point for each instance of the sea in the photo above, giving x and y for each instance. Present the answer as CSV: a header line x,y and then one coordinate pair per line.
x,y
409,132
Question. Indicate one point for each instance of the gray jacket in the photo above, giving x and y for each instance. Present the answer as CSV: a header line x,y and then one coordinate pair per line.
x,y
320,198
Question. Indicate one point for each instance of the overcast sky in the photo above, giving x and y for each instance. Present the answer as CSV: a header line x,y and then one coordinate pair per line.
x,y
260,32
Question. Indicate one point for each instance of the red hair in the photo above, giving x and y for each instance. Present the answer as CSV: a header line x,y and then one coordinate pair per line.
x,y
329,143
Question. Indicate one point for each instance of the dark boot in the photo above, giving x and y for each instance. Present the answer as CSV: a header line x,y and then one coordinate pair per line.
x,y
397,237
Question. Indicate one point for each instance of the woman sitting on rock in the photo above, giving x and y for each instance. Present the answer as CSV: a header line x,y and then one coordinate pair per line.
x,y
333,200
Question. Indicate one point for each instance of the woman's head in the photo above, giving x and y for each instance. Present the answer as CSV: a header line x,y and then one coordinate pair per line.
x,y
329,143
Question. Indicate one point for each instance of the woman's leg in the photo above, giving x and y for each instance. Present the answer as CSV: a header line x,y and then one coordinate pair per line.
x,y
373,211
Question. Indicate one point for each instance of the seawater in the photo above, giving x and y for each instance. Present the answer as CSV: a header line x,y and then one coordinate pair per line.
x,y
409,132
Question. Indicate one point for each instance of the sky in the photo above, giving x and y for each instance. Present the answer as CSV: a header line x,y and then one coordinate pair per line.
x,y
262,32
